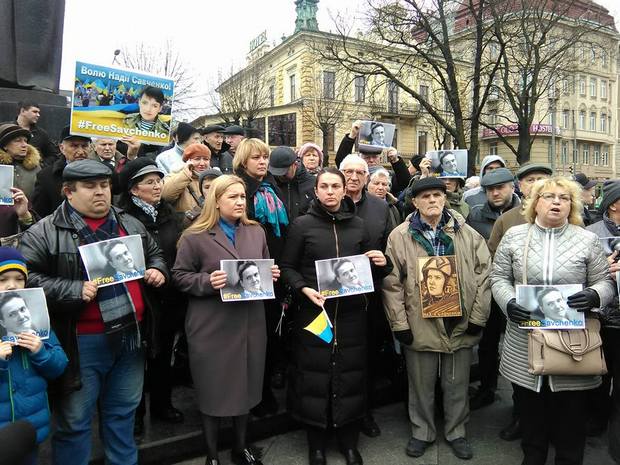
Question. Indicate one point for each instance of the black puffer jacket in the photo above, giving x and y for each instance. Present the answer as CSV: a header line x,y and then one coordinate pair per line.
x,y
50,248
322,373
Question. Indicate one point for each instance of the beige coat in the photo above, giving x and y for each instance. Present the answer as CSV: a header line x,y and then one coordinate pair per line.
x,y
401,288
178,188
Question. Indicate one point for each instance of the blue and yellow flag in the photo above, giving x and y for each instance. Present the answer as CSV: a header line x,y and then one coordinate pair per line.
x,y
321,326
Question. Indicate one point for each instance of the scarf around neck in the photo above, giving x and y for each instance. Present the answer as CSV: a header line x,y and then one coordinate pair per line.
x,y
269,209
147,208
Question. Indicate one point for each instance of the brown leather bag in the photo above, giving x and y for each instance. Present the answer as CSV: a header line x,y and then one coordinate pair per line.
x,y
567,351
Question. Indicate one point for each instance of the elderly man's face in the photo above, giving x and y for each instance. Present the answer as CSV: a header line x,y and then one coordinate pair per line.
x,y
430,204
105,148
75,148
554,306
234,140
16,316
250,279
355,175
121,258
347,275
215,140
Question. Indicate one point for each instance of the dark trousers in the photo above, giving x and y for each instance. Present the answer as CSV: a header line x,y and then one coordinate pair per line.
x,y
346,435
556,418
611,345
488,348
380,356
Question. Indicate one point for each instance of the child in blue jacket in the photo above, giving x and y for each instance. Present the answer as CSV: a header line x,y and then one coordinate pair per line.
x,y
25,366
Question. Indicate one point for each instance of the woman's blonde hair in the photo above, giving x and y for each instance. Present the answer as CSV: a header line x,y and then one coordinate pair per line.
x,y
210,214
244,151
540,186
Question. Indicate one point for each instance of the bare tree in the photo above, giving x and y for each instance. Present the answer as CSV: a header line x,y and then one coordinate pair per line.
x,y
166,61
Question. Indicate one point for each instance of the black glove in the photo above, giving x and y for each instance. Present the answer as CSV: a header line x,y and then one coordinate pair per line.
x,y
585,300
405,337
517,313
473,329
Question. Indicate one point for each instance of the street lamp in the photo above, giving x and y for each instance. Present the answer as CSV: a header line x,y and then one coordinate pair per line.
x,y
117,52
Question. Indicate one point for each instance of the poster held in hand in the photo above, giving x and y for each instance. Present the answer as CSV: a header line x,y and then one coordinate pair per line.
x,y
448,163
375,135
344,276
6,183
247,280
548,307
23,311
114,261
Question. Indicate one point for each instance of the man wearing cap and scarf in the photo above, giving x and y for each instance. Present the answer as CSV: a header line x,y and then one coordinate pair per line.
x,y
106,359
233,135
171,160
433,345
213,136
295,183
587,196
47,189
605,409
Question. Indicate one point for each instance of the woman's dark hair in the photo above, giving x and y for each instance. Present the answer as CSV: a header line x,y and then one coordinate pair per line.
x,y
242,266
153,92
330,170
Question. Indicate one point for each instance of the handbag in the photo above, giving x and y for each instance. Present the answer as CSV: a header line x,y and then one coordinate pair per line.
x,y
577,352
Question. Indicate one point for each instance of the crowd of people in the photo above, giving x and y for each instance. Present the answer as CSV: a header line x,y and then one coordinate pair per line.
x,y
215,194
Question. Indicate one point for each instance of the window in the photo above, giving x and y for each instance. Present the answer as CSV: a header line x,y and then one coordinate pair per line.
x,y
592,121
393,98
605,157
575,153
331,135
283,130
329,85
565,119
597,155
272,95
564,153
424,91
586,154
582,120
603,89
492,117
582,86
593,87
493,148
258,128
565,87
293,91
593,55
603,126
360,89
604,58
493,50
422,142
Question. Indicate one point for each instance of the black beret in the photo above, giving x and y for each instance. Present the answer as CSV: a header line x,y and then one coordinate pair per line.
x,y
234,130
135,169
81,170
212,128
426,184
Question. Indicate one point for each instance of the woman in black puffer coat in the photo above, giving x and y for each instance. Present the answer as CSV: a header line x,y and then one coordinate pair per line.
x,y
327,383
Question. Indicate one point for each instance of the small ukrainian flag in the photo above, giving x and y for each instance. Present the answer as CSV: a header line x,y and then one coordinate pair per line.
x,y
321,326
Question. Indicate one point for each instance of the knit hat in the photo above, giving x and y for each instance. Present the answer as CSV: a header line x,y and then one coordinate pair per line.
x,y
196,150
10,131
426,184
611,193
12,259
184,132
416,160
210,173
306,148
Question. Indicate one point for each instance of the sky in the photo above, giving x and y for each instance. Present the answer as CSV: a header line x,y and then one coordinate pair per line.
x,y
211,36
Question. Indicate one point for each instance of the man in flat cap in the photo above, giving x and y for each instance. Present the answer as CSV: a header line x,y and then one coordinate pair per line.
x,y
47,189
433,345
588,195
498,185
105,350
233,135
213,136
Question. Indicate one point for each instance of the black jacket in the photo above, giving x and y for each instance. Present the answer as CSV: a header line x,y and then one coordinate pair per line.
x,y
47,194
297,193
222,159
325,375
41,140
375,213
483,217
50,248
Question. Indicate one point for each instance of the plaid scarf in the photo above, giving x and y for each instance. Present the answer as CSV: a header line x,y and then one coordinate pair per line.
x,y
117,309
269,209
434,241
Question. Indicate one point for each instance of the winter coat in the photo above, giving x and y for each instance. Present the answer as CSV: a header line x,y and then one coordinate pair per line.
x,y
327,377
512,217
24,173
394,216
374,211
47,194
477,195
610,314
23,384
40,139
565,255
401,288
483,217
297,193
50,248
222,160
181,190
226,340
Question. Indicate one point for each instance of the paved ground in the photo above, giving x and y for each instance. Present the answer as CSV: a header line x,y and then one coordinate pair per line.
x,y
389,448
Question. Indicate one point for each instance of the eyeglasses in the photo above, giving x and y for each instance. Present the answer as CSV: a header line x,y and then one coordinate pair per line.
x,y
151,182
549,197
351,172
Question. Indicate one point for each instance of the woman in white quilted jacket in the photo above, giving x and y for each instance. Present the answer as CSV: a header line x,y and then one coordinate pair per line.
x,y
556,250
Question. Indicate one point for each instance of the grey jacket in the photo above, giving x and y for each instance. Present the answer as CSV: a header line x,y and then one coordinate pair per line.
x,y
565,255
610,314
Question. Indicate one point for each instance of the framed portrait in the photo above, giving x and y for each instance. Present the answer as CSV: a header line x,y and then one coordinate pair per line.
x,y
448,163
114,261
439,286
338,277
6,182
548,307
23,311
247,280
375,134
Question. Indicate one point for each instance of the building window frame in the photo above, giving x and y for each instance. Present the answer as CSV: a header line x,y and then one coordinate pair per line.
x,y
592,125
593,87
360,88
582,119
329,85
603,89
292,82
586,154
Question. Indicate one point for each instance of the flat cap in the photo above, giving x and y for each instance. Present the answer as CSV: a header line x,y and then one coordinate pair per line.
x,y
81,170
212,128
426,184
66,134
496,176
280,160
370,150
528,168
10,131
584,181
234,130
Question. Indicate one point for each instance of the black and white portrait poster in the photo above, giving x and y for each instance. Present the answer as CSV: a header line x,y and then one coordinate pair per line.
x,y
448,163
23,311
439,286
375,134
6,182
342,276
114,261
247,280
548,307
